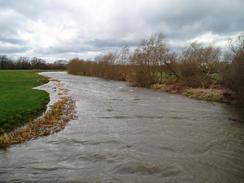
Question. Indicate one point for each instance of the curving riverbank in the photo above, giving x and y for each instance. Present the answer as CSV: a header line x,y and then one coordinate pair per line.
x,y
19,102
130,134
60,110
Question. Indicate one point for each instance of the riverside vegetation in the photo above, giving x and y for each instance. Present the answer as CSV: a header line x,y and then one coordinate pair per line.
x,y
52,121
199,71
20,104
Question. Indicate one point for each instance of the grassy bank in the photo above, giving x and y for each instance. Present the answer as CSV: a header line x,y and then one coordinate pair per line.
x,y
53,121
206,94
19,102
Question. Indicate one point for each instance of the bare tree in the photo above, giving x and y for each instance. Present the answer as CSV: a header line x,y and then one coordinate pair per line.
x,y
149,57
197,63
123,56
234,75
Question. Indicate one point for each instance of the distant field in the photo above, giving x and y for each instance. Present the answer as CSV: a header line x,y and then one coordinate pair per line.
x,y
19,103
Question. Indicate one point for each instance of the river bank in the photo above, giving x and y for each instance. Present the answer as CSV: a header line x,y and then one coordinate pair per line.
x,y
209,88
215,94
19,102
131,134
60,110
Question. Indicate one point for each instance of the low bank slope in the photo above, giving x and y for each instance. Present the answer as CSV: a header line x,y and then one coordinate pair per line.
x,y
19,102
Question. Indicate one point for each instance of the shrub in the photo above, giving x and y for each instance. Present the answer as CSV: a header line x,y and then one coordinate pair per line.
x,y
197,63
103,66
234,75
149,59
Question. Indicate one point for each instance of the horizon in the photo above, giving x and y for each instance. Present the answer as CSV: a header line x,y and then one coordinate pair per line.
x,y
67,29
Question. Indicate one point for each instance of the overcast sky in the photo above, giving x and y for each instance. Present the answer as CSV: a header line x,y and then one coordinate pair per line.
x,y
86,28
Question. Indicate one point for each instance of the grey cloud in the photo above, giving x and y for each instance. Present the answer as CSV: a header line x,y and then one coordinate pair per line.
x,y
108,43
11,40
64,49
30,9
195,17
12,50
123,23
90,46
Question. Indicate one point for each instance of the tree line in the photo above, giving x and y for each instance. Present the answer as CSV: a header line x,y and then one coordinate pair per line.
x,y
196,66
30,63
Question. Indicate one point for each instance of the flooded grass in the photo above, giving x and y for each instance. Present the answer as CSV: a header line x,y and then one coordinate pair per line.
x,y
20,103
206,94
213,95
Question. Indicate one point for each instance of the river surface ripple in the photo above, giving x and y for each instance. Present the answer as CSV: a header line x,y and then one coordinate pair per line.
x,y
126,134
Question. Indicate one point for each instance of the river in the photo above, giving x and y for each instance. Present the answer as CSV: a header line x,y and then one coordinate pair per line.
x,y
126,134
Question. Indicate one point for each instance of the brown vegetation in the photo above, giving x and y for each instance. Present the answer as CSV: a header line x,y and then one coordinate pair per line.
x,y
154,64
234,73
149,60
207,94
104,67
196,65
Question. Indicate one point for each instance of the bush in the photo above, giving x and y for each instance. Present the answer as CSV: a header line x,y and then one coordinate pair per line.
x,y
103,66
139,76
149,59
234,75
197,64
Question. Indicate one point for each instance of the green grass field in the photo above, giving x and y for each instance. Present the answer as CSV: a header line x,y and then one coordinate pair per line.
x,y
19,103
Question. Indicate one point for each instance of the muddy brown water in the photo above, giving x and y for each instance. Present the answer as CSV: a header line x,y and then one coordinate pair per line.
x,y
126,134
